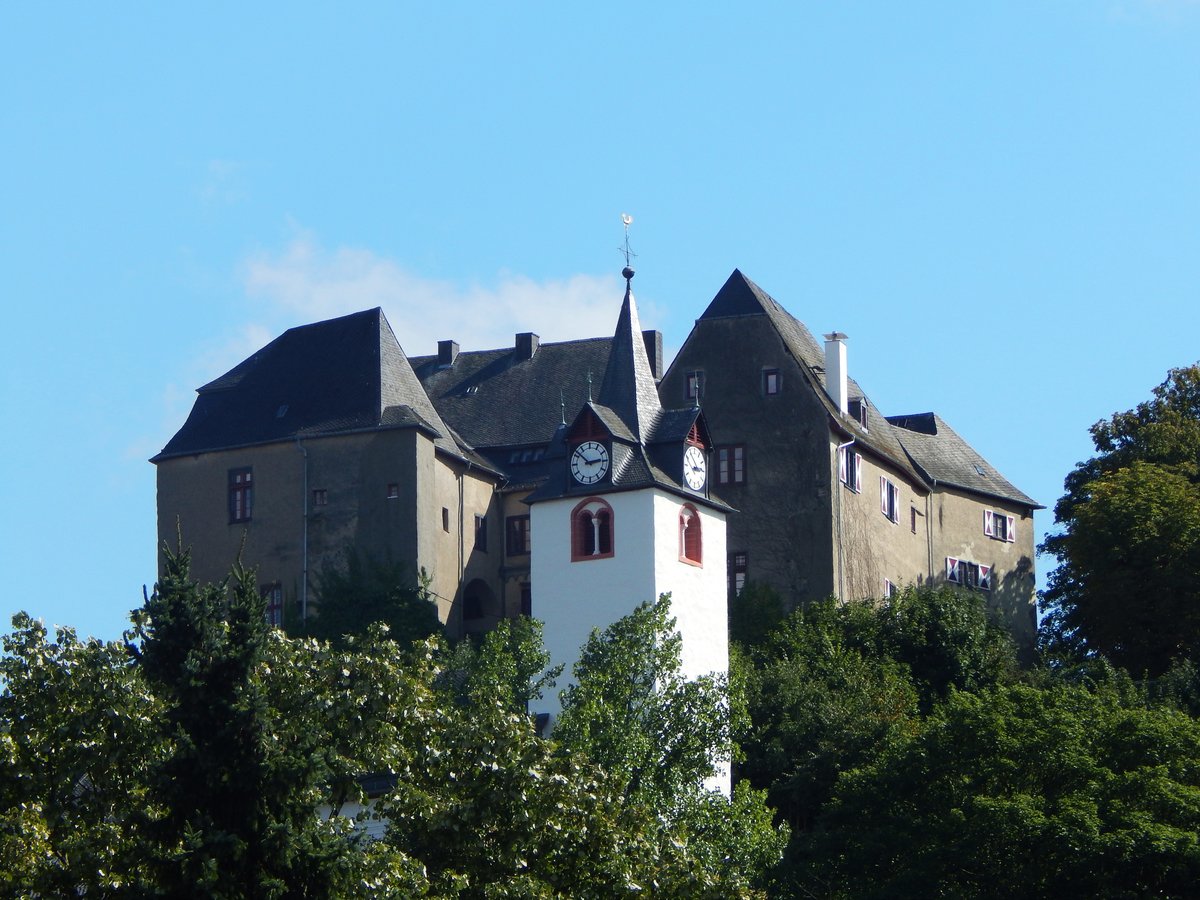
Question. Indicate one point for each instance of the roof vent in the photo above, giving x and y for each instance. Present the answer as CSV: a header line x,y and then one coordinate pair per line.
x,y
527,344
447,352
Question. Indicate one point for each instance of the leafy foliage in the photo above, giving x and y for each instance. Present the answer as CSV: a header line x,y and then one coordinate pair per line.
x,y
211,755
1127,583
367,591
835,684
1023,791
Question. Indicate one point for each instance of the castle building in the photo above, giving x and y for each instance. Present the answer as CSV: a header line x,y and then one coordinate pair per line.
x,y
574,480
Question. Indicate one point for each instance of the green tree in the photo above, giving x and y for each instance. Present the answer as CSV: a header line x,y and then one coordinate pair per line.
x,y
364,592
660,736
1127,584
510,661
77,736
236,789
835,683
1057,791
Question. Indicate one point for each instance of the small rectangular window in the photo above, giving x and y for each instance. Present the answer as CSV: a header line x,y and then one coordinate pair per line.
x,y
273,594
516,530
889,499
320,497
850,469
241,494
481,541
731,464
889,589
969,574
526,599
393,491
913,513
694,389
770,382
445,520
739,566
999,526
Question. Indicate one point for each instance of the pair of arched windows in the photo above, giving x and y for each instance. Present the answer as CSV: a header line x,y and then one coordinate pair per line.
x,y
592,532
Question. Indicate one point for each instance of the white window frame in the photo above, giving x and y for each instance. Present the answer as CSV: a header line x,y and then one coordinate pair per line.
x,y
889,499
999,526
850,469
968,573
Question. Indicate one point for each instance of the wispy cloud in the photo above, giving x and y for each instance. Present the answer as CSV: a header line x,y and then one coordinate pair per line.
x,y
307,282
219,186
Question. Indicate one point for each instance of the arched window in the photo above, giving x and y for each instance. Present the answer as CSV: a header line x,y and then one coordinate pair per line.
x,y
591,530
691,547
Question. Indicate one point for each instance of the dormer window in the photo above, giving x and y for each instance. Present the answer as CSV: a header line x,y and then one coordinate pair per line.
x,y
858,411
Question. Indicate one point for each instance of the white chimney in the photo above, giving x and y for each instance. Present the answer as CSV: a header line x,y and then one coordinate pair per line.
x,y
836,379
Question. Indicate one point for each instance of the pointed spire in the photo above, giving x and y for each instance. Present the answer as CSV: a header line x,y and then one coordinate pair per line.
x,y
628,388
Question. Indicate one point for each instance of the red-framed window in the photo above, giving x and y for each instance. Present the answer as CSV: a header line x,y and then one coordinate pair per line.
x,y
241,494
592,534
691,543
731,464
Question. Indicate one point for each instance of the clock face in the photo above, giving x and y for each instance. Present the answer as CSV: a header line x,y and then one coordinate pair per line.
x,y
589,462
694,468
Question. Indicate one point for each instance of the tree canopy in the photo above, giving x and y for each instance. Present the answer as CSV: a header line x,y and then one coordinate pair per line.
x,y
210,754
1127,584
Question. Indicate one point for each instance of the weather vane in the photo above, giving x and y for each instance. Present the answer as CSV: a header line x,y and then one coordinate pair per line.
x,y
628,220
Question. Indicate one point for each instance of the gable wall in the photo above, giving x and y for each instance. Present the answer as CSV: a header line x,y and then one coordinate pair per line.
x,y
783,516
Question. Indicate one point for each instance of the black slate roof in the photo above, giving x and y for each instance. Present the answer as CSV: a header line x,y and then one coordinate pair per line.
x,y
343,374
943,457
740,296
628,388
498,399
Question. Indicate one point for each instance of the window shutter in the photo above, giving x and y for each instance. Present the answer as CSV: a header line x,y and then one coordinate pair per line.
x,y
883,496
988,526
952,569
985,577
842,465
1010,533
858,467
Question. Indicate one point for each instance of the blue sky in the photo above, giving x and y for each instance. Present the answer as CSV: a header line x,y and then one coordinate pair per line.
x,y
998,201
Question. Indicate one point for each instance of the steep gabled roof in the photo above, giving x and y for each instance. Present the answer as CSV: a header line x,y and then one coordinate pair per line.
x,y
343,374
943,457
740,296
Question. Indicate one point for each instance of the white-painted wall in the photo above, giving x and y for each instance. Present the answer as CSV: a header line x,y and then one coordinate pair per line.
x,y
572,598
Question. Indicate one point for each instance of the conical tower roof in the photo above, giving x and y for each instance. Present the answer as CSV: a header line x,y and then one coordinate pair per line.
x,y
628,388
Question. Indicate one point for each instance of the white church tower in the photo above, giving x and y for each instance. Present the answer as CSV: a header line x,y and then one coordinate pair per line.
x,y
629,517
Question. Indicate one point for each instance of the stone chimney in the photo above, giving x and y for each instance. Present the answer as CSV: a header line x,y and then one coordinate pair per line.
x,y
836,378
653,341
527,344
447,352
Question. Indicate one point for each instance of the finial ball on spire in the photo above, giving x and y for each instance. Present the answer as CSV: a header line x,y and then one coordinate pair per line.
x,y
627,273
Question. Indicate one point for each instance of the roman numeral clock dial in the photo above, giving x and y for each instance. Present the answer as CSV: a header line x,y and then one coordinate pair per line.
x,y
589,462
